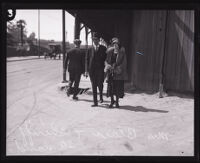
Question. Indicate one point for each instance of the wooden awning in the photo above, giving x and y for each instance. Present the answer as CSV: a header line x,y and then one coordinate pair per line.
x,y
101,21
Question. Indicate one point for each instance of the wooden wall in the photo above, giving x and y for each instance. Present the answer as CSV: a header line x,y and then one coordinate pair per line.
x,y
179,66
162,33
148,30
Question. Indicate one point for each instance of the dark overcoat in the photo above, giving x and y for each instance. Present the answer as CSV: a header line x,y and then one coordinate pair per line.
x,y
75,57
101,52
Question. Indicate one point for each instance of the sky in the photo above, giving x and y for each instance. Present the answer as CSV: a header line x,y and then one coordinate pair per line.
x,y
50,24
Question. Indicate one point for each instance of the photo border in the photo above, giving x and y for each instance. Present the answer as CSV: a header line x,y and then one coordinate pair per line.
x,y
136,5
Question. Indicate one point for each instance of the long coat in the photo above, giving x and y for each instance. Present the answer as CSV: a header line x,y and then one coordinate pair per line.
x,y
101,52
76,61
121,62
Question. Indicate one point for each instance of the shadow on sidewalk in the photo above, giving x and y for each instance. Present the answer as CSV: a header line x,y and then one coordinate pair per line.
x,y
91,93
86,100
141,109
126,107
133,108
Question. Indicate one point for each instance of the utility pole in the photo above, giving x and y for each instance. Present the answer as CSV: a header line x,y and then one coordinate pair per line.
x,y
63,46
86,54
39,33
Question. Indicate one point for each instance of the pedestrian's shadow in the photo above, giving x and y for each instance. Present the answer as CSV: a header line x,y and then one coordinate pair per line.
x,y
86,100
141,109
91,93
134,108
126,107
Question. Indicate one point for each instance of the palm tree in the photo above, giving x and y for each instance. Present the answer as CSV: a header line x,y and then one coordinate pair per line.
x,y
21,24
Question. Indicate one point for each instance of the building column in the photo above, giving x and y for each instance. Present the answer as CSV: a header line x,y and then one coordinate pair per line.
x,y
63,46
162,71
77,28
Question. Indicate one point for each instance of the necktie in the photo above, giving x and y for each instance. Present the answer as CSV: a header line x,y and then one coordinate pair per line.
x,y
96,48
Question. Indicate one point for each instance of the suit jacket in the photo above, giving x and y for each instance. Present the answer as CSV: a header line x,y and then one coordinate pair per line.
x,y
121,62
76,61
100,54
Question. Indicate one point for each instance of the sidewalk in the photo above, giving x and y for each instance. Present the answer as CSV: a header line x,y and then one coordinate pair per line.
x,y
142,126
42,120
22,58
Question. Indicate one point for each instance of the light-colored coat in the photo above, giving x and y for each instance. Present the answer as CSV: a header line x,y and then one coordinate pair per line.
x,y
121,61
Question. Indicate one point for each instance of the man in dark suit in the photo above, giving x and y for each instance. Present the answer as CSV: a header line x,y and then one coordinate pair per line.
x,y
96,58
75,67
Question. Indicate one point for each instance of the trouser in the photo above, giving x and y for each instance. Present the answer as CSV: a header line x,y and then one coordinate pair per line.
x,y
74,78
97,78
112,99
111,83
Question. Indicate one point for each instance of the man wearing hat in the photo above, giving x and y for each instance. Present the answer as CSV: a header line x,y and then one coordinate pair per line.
x,y
75,67
96,59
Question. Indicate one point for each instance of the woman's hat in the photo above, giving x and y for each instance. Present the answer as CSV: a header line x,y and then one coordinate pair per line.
x,y
115,40
77,41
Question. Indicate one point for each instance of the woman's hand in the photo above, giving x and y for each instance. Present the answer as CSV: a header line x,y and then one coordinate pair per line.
x,y
114,65
107,67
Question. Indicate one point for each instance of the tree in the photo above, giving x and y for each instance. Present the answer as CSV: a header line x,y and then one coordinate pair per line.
x,y
10,40
12,34
21,24
31,38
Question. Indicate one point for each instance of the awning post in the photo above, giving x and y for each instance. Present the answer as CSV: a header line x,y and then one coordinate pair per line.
x,y
63,46
77,28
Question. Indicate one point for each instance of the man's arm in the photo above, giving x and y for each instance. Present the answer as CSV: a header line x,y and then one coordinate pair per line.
x,y
86,62
105,54
88,58
66,60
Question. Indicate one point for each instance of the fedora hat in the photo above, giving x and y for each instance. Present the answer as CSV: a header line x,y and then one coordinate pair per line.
x,y
77,41
95,35
115,40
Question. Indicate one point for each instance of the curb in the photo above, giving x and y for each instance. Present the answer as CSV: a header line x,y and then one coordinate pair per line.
x,y
23,59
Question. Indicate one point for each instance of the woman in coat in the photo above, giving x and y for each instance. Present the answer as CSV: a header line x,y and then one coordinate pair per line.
x,y
116,71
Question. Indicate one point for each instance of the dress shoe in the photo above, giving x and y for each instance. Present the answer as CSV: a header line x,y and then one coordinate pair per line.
x,y
94,105
117,105
101,100
111,104
75,98
68,93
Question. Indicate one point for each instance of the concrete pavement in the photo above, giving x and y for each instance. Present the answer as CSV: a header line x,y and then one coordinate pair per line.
x,y
42,120
22,58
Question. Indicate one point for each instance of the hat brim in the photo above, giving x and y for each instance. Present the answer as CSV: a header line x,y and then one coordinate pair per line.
x,y
96,37
115,42
77,42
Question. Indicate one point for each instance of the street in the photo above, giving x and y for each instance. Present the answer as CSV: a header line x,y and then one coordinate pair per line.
x,y
42,120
